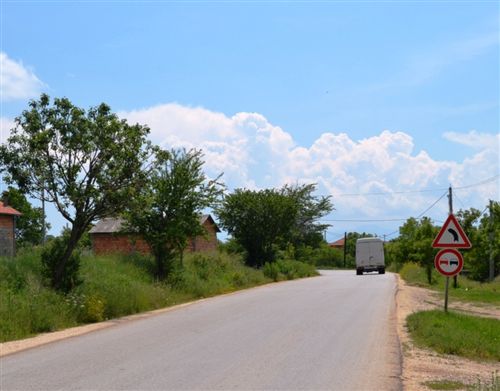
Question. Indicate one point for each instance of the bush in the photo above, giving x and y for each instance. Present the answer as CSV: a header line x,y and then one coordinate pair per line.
x,y
416,275
51,256
288,270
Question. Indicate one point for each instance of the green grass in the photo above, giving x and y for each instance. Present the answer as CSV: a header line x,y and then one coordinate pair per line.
x,y
452,333
445,385
288,270
493,384
112,286
468,290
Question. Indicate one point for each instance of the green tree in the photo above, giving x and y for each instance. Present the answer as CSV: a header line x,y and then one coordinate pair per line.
x,y
88,164
166,213
414,244
479,229
307,231
258,221
29,226
267,220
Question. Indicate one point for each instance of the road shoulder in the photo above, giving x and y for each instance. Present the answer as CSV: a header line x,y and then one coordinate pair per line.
x,y
422,365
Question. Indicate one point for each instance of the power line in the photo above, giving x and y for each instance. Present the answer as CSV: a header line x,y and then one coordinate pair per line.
x,y
421,214
483,182
361,220
430,207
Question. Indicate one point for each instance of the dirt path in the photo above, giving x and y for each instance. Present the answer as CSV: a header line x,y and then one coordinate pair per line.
x,y
422,365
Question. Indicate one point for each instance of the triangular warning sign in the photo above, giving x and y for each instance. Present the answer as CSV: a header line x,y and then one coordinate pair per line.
x,y
451,235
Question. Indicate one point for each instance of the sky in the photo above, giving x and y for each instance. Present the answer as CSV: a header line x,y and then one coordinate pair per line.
x,y
382,104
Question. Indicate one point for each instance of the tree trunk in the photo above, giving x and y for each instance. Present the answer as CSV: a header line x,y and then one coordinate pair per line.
x,y
76,234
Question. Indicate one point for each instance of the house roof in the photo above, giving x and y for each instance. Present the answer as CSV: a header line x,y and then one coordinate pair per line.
x,y
115,224
108,225
338,243
7,210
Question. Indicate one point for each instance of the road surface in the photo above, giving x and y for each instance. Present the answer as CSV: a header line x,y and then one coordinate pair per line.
x,y
333,332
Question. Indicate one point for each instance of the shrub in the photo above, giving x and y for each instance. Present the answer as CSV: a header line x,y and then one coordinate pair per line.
x,y
51,256
415,274
288,270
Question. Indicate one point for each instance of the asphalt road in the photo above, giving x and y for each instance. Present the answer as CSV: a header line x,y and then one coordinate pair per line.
x,y
333,332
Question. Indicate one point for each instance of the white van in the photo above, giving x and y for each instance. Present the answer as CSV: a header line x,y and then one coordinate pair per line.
x,y
370,255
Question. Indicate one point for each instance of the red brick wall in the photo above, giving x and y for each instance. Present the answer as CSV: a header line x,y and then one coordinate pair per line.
x,y
122,243
208,242
7,245
118,243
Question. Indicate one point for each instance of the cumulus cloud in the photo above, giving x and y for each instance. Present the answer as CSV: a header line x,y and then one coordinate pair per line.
x,y
254,153
17,81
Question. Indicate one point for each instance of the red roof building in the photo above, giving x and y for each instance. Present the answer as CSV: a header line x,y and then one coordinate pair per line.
x,y
337,244
7,230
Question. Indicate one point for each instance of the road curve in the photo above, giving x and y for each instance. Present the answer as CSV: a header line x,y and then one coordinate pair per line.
x,y
333,332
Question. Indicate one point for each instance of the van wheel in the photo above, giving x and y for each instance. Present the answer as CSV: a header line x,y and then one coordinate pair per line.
x,y
359,272
381,270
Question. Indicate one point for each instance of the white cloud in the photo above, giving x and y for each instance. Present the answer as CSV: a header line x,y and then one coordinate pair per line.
x,y
475,139
6,124
254,153
17,81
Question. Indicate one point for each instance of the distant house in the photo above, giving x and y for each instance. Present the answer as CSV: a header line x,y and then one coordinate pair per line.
x,y
7,229
337,244
107,236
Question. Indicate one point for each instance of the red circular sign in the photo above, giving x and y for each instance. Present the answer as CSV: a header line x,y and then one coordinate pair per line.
x,y
449,262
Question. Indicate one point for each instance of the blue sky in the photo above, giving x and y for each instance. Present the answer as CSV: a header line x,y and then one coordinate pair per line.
x,y
359,97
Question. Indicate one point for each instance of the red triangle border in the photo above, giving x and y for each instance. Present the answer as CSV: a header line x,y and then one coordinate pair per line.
x,y
466,244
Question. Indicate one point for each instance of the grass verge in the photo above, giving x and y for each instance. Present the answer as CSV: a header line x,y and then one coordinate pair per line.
x,y
492,385
445,385
452,333
115,286
468,290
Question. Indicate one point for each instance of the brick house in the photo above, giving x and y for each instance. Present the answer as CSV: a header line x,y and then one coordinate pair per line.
x,y
107,237
7,230
337,244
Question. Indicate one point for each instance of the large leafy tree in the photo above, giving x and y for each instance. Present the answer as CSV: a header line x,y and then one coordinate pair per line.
x,y
266,220
307,231
29,226
166,213
414,244
87,163
484,234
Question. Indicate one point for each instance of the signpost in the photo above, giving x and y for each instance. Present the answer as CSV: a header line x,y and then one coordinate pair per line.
x,y
451,235
449,262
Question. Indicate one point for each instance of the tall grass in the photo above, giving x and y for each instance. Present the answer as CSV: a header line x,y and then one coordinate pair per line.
x,y
112,286
467,290
288,270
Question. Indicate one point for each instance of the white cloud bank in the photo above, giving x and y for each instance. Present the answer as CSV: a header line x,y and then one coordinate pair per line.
x,y
254,153
17,81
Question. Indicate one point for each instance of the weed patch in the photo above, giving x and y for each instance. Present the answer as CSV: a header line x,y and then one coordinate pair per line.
x,y
452,333
445,385
467,290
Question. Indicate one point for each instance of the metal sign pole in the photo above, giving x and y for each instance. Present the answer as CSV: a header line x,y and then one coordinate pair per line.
x,y
446,294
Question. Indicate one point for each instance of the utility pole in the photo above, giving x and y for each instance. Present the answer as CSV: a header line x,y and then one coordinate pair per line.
x,y
450,206
44,225
447,282
492,235
345,246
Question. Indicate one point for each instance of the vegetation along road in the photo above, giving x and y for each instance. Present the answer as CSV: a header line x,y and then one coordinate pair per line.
x,y
336,331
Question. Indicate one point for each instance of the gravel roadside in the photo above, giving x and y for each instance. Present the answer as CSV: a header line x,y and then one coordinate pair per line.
x,y
422,365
